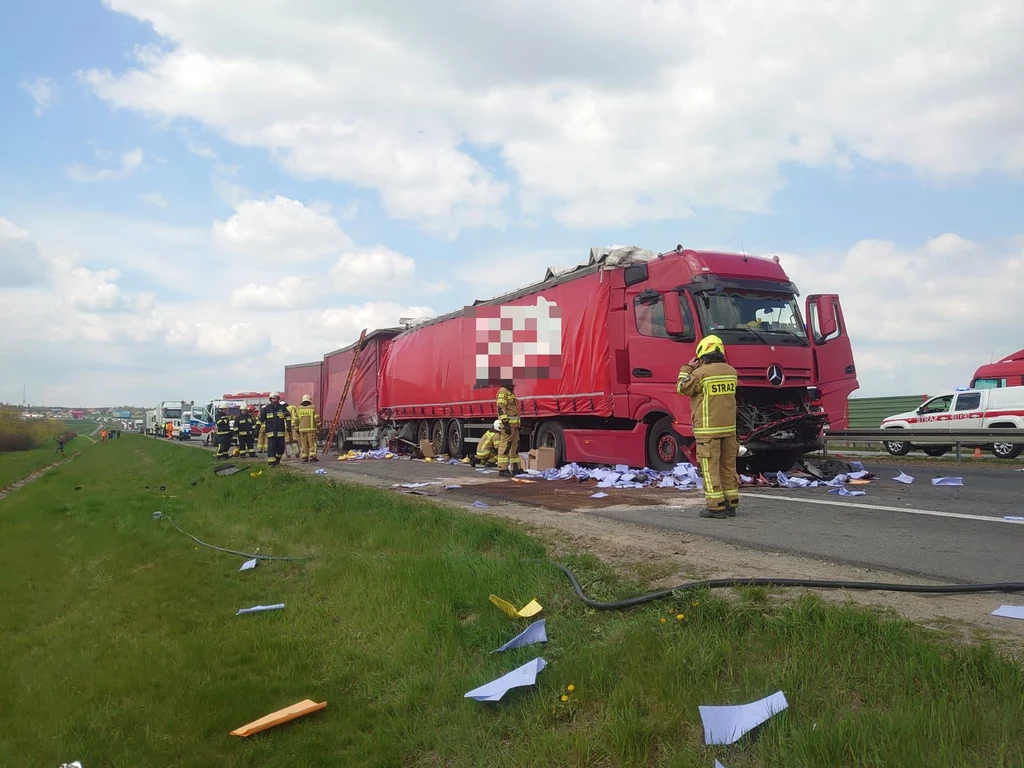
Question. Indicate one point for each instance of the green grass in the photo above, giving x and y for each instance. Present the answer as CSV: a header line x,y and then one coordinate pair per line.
x,y
119,643
15,465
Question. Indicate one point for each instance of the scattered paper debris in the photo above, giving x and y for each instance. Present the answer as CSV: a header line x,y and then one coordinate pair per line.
x,y
486,471
517,678
479,505
1009,611
285,715
599,495
452,487
260,608
320,471
844,491
857,466
792,482
860,474
248,565
904,478
75,764
726,725
947,481
409,485
532,608
535,633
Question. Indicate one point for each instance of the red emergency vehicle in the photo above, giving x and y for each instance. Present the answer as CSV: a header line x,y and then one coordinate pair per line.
x,y
595,353
1008,372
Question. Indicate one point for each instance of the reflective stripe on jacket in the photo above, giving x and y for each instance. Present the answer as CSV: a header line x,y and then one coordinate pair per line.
x,y
306,419
508,407
711,388
487,444
244,424
276,419
224,425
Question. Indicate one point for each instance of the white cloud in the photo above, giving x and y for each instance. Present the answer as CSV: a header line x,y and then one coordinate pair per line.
x,y
23,264
43,92
605,111
201,150
285,294
923,318
217,340
130,163
155,198
280,229
377,267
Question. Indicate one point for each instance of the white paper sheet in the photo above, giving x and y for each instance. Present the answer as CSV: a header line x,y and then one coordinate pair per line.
x,y
599,495
535,633
248,565
517,678
726,725
947,481
480,505
1009,611
904,478
452,487
857,466
842,490
792,482
858,475
260,608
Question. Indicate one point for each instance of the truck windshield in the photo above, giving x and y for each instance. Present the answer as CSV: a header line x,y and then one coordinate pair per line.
x,y
753,315
172,413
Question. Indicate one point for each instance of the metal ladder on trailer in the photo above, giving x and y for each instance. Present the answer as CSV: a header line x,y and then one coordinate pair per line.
x,y
344,392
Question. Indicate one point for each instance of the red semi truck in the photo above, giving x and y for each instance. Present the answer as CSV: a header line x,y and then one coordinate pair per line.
x,y
595,352
1008,372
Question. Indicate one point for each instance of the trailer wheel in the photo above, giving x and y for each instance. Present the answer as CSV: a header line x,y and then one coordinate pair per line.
x,y
439,437
422,431
456,439
550,435
663,448
341,441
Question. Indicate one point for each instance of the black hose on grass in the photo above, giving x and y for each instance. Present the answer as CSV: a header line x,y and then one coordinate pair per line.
x,y
162,516
938,589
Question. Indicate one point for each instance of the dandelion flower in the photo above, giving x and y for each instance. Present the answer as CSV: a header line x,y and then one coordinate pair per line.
x,y
680,616
662,619
570,687
696,603
564,697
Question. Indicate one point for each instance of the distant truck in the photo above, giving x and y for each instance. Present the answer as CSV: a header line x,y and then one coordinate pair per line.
x,y
1008,372
965,409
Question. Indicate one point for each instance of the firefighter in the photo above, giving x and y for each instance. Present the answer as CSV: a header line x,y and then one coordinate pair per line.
x,y
275,418
508,439
710,383
261,439
223,436
486,449
292,438
245,426
306,426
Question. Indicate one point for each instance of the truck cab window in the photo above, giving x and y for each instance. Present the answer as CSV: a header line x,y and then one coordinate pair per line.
x,y
756,313
813,320
988,384
969,401
650,316
937,405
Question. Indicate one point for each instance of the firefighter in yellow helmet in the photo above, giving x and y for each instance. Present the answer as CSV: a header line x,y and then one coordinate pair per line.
x,y
245,425
486,449
274,416
306,425
509,421
710,383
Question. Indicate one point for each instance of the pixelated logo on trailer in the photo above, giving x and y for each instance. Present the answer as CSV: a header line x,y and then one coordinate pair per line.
x,y
517,342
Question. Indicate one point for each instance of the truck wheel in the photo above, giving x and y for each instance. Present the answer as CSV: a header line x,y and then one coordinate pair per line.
x,y
663,449
422,431
550,435
1006,450
341,441
439,437
897,447
936,450
456,439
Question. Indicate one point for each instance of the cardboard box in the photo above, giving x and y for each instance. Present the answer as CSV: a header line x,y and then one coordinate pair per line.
x,y
427,449
541,459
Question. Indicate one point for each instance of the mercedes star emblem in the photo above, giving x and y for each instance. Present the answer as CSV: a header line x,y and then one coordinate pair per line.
x,y
775,376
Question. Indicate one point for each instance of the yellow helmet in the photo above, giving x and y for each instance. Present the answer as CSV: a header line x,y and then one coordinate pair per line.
x,y
710,344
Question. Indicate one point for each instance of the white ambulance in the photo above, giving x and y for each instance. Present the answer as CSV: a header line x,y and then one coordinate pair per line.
x,y
964,409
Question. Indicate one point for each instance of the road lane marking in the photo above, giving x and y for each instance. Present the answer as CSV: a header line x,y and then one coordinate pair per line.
x,y
881,508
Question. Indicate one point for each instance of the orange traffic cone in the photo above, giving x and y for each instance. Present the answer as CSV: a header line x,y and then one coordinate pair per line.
x,y
977,453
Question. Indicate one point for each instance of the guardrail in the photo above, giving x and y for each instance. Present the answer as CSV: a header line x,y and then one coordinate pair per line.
x,y
956,438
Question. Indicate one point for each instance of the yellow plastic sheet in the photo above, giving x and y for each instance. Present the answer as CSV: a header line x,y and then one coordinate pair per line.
x,y
532,608
281,716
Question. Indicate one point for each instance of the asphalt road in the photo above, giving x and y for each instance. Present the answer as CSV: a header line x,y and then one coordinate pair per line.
x,y
955,534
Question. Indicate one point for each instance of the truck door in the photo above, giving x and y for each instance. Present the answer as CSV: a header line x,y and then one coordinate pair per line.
x,y
935,414
656,348
834,369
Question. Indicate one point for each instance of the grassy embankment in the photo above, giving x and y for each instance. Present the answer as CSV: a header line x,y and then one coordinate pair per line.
x,y
119,643
15,465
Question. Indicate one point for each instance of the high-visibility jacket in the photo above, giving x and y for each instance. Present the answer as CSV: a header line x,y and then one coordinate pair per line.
x,y
292,412
245,424
306,419
711,388
508,407
276,419
224,425
487,444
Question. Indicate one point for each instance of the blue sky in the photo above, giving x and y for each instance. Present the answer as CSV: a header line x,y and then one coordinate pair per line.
x,y
234,188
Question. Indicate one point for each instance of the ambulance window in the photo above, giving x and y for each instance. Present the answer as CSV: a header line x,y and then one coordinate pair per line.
x,y
938,405
969,401
650,316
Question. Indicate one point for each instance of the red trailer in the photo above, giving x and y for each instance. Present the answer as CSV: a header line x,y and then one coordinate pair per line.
x,y
595,353
304,379
360,417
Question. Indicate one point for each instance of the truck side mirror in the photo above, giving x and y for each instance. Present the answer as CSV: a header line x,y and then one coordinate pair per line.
x,y
828,323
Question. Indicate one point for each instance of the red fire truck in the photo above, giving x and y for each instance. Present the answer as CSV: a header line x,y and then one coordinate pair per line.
x,y
595,352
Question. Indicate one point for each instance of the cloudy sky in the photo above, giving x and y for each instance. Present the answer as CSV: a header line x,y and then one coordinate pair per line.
x,y
194,193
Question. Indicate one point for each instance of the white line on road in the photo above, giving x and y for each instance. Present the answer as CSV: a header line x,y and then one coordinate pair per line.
x,y
881,508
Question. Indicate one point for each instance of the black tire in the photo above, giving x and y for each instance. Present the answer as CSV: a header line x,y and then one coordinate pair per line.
x,y
772,461
897,447
341,441
456,439
664,445
551,435
1006,450
935,450
439,437
422,431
